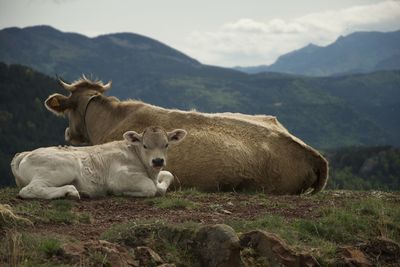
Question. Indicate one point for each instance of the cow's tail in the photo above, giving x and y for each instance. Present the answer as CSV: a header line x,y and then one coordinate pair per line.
x,y
15,167
321,169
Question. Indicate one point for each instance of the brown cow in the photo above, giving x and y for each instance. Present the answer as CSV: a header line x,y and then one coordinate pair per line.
x,y
225,151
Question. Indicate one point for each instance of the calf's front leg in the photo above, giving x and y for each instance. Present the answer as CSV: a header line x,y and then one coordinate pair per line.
x,y
143,187
164,179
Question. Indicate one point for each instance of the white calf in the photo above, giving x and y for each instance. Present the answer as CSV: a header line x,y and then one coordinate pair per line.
x,y
130,167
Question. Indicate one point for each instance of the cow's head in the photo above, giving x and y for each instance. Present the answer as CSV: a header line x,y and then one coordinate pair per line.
x,y
153,143
74,106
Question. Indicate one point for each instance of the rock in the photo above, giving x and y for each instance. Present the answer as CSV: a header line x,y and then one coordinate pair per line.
x,y
384,249
147,257
72,252
110,254
217,246
352,256
275,250
115,255
226,211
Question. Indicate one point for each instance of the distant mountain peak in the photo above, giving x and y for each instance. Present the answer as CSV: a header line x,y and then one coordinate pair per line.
x,y
358,52
311,46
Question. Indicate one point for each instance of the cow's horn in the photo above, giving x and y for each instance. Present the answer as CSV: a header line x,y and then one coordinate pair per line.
x,y
66,86
107,86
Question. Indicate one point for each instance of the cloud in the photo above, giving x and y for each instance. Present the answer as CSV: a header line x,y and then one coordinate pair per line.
x,y
251,42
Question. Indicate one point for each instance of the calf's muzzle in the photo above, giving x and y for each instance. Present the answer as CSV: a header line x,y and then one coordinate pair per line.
x,y
158,162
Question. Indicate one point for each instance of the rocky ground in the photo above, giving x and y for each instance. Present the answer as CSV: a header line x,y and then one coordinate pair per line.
x,y
190,228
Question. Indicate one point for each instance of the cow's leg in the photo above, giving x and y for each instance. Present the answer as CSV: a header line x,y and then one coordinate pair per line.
x,y
39,190
164,179
143,187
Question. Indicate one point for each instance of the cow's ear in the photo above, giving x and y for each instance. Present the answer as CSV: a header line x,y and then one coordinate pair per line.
x,y
176,136
133,137
57,104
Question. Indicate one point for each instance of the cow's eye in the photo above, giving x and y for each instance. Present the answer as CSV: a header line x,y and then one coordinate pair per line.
x,y
144,146
166,145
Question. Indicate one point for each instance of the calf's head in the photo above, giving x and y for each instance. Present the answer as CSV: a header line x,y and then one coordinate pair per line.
x,y
74,106
153,143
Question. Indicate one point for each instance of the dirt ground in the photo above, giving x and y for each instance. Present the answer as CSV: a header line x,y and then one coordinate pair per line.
x,y
375,218
208,208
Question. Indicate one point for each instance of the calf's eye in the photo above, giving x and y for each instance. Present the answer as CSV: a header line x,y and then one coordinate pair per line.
x,y
144,146
166,145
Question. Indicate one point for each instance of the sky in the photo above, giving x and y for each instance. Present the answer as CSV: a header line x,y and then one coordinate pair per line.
x,y
216,32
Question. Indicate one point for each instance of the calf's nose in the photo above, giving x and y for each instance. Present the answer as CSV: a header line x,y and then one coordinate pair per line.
x,y
158,162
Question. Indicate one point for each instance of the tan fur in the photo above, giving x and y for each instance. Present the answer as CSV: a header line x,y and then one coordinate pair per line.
x,y
221,151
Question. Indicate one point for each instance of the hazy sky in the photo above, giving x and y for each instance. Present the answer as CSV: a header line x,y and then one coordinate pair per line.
x,y
218,32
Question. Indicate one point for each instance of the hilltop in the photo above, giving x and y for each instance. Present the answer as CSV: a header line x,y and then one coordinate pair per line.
x,y
330,228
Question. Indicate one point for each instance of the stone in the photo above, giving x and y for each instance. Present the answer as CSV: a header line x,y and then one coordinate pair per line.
x,y
114,254
217,246
275,250
352,256
387,250
147,257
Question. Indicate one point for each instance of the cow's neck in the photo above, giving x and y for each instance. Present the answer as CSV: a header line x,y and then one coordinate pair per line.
x,y
100,119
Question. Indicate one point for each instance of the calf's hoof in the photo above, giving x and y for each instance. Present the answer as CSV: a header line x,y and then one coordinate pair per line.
x,y
165,177
74,194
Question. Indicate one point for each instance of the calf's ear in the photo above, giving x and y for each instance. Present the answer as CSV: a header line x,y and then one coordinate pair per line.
x,y
176,136
57,104
133,137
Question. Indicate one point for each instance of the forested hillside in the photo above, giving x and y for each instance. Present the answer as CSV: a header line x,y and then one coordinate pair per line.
x,y
25,123
365,168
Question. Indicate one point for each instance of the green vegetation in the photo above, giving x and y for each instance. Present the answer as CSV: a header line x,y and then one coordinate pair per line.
x,y
365,168
317,224
171,203
350,222
30,249
25,124
336,226
99,259
50,246
57,211
171,241
8,219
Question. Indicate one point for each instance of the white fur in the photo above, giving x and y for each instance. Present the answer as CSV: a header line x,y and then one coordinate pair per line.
x,y
115,167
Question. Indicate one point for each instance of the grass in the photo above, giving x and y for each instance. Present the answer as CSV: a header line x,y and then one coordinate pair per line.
x,y
8,219
338,218
170,241
356,221
58,211
30,249
128,233
98,259
8,193
50,246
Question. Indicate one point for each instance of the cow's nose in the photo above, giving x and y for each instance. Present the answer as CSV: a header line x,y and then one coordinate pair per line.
x,y
158,162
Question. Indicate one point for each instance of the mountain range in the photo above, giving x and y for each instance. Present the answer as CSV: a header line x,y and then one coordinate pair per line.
x,y
326,112
359,52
